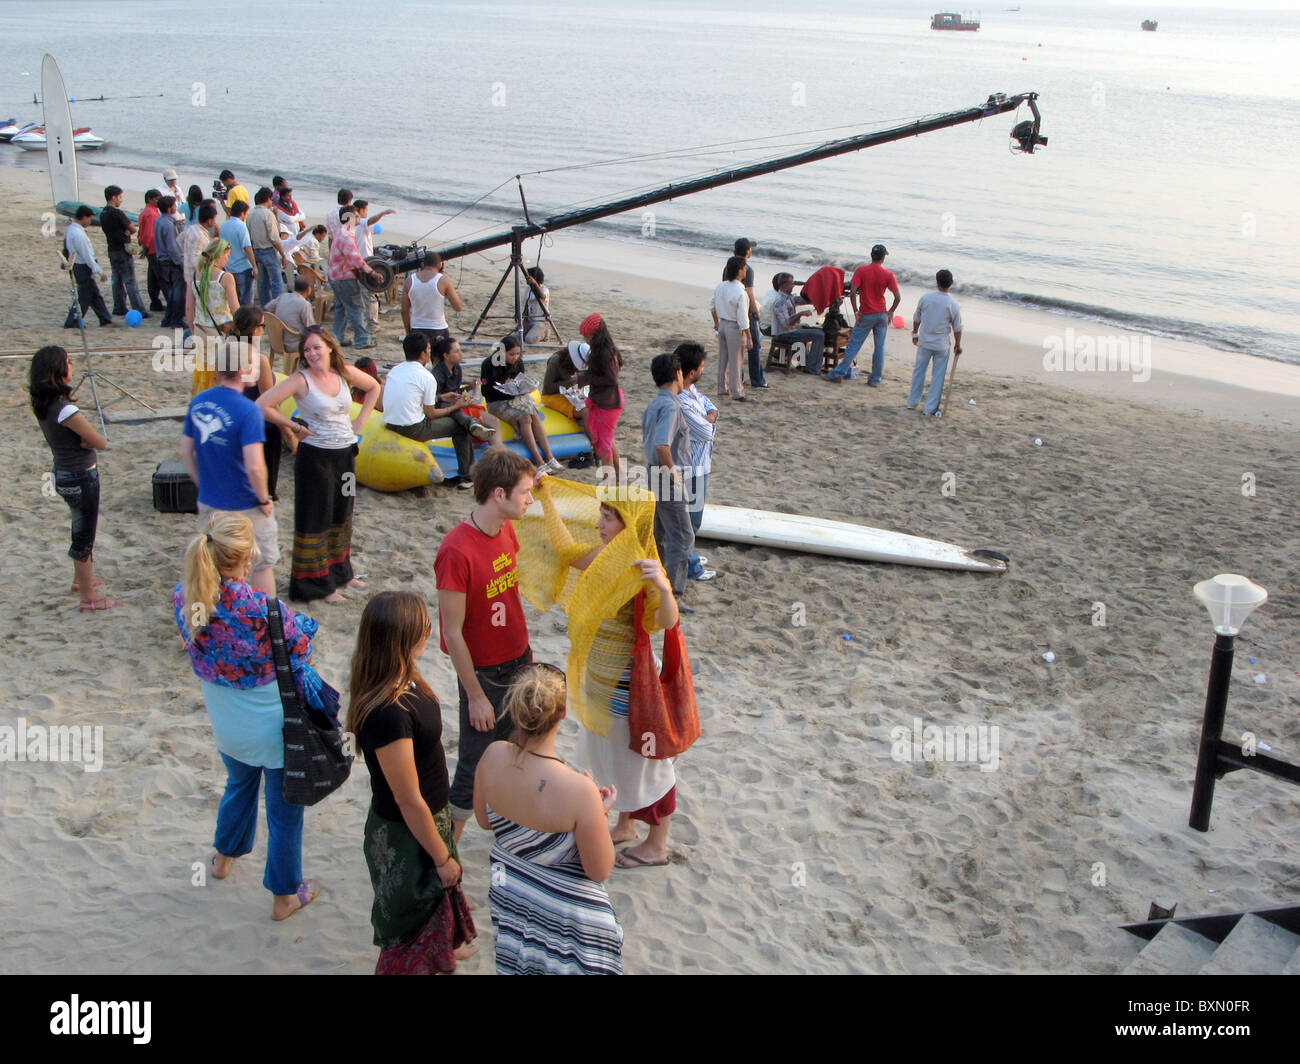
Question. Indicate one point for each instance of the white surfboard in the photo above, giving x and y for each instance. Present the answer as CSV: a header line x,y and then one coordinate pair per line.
x,y
841,539
58,134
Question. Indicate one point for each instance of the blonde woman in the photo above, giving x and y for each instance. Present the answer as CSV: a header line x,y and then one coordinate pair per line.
x,y
215,301
550,913
324,482
223,624
421,920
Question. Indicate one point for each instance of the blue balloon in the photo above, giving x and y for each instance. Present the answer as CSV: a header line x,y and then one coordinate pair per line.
x,y
133,318
379,228
72,99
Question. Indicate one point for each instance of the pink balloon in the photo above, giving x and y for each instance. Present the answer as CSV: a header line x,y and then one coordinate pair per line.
x,y
898,321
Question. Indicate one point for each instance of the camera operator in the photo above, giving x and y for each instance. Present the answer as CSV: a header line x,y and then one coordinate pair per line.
x,y
228,191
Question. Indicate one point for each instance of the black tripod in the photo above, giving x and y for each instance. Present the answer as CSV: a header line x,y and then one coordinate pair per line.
x,y
517,271
68,263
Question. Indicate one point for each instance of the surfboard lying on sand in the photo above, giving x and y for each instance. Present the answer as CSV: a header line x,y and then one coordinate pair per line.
x,y
841,539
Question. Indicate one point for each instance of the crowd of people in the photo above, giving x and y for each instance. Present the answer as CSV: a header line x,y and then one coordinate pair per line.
x,y
633,553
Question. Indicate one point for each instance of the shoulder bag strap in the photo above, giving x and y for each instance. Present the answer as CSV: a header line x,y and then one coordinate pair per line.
x,y
279,653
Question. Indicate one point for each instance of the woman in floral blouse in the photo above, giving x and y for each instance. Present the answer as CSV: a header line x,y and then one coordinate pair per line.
x,y
223,624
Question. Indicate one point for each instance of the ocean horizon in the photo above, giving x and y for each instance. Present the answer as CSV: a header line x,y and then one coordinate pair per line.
x,y
1162,204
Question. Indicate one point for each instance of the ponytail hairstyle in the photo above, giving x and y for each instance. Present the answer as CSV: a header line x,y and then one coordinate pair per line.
x,y
536,701
225,547
209,255
46,383
604,352
383,665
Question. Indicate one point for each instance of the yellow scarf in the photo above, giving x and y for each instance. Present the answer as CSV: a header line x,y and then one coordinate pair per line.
x,y
563,532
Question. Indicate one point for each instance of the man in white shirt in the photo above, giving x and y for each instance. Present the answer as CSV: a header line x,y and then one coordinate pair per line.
x,y
410,406
332,223
366,245
936,313
85,269
171,186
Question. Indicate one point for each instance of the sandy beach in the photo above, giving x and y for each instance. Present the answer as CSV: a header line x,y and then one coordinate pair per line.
x,y
800,843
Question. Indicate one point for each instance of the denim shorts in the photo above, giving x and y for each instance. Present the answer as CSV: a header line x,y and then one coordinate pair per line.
x,y
80,490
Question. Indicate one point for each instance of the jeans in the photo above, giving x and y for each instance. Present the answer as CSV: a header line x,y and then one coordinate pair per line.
x,y
270,278
153,279
495,681
811,341
697,487
88,296
244,286
237,824
866,323
756,375
80,490
173,285
124,288
923,356
674,535
349,309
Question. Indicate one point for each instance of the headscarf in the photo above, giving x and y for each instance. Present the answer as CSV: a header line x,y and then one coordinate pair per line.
x,y
548,544
215,249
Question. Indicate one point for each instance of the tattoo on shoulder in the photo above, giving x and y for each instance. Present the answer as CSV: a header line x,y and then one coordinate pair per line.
x,y
541,787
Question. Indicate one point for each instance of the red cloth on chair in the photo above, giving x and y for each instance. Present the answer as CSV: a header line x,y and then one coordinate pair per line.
x,y
824,287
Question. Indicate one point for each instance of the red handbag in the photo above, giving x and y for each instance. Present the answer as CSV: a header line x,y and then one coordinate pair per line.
x,y
662,717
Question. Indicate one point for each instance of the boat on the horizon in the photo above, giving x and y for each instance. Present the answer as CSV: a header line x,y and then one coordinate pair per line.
x,y
34,139
1150,24
950,20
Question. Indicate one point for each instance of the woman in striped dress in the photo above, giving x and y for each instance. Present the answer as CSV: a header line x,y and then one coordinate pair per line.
x,y
550,913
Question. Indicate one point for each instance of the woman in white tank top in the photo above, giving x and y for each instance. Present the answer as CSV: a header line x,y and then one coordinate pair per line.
x,y
425,297
325,464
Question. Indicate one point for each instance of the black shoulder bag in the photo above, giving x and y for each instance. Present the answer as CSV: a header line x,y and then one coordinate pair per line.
x,y
315,759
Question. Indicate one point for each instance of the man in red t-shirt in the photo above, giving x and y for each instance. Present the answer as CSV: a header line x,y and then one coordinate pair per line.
x,y
148,216
869,284
480,613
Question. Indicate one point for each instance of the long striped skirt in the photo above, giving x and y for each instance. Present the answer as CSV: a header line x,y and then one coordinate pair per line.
x,y
324,490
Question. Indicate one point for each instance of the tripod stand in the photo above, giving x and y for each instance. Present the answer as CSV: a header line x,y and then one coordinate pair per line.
x,y
520,276
90,375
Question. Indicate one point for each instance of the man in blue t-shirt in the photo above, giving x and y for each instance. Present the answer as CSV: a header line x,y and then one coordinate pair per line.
x,y
221,447
234,231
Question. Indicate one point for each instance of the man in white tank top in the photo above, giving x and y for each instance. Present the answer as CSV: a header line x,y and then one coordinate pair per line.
x,y
425,298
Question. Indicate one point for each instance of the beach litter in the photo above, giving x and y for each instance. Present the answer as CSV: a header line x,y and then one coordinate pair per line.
x,y
1049,657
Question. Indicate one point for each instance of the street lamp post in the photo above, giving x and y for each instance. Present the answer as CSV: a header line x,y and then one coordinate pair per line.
x,y
1230,599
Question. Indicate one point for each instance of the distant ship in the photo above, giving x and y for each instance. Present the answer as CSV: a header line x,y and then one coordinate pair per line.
x,y
1150,24
950,20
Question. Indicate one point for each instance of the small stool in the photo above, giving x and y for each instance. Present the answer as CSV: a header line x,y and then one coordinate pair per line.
x,y
832,353
779,354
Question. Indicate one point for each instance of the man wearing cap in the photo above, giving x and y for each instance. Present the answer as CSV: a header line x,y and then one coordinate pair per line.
x,y
171,186
869,284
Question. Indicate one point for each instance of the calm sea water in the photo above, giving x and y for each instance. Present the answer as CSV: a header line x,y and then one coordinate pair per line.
x,y
1166,201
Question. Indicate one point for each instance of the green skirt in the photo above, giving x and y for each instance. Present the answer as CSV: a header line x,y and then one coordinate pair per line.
x,y
407,887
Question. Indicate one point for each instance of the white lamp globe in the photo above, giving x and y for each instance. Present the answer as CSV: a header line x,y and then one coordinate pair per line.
x,y
1230,598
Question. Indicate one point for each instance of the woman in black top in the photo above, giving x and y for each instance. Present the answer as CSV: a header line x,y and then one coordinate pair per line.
x,y
248,327
73,442
420,917
519,411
